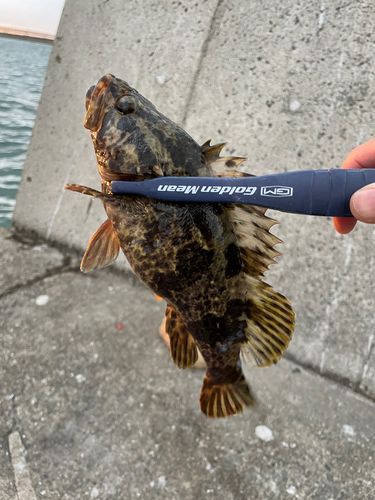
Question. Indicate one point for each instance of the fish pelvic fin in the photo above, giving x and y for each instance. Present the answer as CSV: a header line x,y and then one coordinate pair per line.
x,y
183,347
224,400
102,250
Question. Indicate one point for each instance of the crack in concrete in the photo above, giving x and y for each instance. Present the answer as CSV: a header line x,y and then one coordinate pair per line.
x,y
65,267
21,471
370,347
89,205
16,423
17,455
58,204
333,377
68,265
202,56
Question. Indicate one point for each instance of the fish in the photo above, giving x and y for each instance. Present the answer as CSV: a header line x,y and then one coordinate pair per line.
x,y
206,260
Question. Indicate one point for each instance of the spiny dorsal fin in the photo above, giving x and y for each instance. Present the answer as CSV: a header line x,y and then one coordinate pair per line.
x,y
102,250
183,347
212,152
251,228
218,400
226,165
269,316
221,167
158,170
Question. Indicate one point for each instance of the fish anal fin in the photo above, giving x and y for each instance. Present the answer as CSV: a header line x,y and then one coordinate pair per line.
x,y
269,325
102,250
183,346
224,400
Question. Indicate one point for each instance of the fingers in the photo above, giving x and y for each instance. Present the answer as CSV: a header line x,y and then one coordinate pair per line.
x,y
362,203
361,157
344,225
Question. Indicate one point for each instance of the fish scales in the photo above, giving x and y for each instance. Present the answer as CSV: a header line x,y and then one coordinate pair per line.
x,y
207,260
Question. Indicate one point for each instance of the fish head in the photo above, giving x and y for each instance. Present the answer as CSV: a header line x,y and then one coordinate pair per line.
x,y
131,138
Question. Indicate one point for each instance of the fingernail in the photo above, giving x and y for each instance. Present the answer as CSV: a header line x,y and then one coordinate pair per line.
x,y
363,202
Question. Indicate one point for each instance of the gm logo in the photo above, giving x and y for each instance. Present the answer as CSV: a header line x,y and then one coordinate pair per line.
x,y
276,191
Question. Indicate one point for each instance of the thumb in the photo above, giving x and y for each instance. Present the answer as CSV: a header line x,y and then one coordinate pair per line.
x,y
362,204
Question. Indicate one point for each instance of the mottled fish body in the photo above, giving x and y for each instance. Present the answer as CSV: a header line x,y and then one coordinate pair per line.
x,y
207,260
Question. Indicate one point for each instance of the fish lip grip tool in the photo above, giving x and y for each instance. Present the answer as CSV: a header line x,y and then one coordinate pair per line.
x,y
310,192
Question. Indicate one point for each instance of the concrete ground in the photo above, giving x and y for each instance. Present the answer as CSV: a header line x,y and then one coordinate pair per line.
x,y
92,405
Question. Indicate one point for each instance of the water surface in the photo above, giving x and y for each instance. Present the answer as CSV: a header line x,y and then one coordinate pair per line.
x,y
23,67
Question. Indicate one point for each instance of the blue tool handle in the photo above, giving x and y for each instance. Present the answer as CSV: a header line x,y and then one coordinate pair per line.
x,y
331,190
310,192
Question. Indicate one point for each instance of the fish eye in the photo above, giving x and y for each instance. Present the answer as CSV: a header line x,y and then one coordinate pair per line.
x,y
126,105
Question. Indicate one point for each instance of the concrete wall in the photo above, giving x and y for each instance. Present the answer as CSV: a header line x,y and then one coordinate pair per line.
x,y
289,84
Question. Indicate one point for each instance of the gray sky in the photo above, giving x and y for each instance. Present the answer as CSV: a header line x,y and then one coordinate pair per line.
x,y
33,15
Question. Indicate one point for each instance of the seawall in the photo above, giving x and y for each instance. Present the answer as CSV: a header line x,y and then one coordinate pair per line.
x,y
288,84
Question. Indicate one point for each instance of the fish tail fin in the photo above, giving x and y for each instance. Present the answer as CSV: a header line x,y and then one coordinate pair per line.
x,y
224,400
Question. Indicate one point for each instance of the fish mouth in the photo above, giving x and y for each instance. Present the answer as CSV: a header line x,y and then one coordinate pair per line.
x,y
94,103
109,176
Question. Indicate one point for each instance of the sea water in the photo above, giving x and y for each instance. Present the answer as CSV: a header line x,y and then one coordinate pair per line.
x,y
23,67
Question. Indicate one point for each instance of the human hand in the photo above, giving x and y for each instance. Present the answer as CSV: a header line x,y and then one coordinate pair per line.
x,y
362,203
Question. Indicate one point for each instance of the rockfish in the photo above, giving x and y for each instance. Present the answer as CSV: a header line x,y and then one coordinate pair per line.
x,y
205,259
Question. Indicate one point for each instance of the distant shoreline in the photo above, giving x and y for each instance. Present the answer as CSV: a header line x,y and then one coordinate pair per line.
x,y
28,36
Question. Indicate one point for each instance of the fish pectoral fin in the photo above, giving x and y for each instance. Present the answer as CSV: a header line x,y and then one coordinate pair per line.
x,y
269,327
184,350
136,204
224,400
102,250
